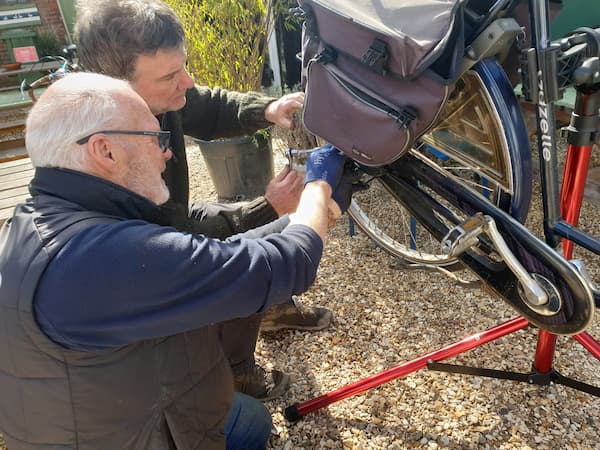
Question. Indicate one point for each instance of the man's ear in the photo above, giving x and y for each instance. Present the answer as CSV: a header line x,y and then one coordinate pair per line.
x,y
103,154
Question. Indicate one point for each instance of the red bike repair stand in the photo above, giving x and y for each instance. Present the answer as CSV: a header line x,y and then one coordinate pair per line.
x,y
542,372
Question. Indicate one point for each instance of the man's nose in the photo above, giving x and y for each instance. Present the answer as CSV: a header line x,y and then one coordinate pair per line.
x,y
187,81
168,154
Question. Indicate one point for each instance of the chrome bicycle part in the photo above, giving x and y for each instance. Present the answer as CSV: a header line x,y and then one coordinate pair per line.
x,y
554,303
297,159
466,235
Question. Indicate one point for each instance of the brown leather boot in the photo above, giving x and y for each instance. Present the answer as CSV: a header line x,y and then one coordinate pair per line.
x,y
261,384
295,317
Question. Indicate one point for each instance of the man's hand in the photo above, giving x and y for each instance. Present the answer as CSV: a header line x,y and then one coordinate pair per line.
x,y
280,111
349,184
327,164
283,192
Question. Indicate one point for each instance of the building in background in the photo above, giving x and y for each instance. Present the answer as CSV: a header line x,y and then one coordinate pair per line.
x,y
34,28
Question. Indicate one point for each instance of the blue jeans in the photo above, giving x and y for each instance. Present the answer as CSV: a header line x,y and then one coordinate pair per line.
x,y
248,425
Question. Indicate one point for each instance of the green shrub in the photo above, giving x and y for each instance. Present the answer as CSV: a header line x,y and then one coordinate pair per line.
x,y
226,41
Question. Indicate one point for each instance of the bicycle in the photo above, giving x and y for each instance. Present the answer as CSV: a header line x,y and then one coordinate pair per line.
x,y
474,163
466,188
68,61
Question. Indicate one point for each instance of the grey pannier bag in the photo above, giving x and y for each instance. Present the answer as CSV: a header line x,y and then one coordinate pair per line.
x,y
378,72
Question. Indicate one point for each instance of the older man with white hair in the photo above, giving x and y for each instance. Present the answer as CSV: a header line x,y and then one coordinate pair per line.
x,y
143,41
108,335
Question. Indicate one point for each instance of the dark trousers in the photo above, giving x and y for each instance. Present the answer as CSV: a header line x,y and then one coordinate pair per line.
x,y
239,338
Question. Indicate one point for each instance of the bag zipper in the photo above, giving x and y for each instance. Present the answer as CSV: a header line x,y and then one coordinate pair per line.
x,y
370,100
403,116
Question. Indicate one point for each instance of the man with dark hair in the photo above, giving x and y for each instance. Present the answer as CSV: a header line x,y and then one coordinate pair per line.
x,y
144,42
108,312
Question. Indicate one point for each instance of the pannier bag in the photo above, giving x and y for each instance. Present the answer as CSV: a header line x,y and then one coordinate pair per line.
x,y
378,72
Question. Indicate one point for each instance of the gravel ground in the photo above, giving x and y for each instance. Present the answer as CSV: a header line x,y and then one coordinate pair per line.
x,y
386,314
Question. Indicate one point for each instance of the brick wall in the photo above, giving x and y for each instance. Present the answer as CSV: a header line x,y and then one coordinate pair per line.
x,y
51,23
51,19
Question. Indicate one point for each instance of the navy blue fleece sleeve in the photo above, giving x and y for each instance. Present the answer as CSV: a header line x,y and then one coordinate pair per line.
x,y
119,283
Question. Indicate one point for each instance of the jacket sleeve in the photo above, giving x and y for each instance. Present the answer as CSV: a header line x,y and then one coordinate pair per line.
x,y
219,113
120,283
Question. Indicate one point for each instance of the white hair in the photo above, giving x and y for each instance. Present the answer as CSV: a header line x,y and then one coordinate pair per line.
x,y
70,109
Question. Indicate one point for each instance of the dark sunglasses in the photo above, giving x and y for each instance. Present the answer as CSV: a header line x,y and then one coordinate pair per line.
x,y
163,136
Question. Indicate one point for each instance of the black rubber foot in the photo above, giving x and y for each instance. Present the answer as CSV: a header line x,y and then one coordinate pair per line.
x,y
291,413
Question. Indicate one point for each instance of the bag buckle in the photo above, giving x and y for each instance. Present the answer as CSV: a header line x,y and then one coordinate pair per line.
x,y
377,56
327,55
404,117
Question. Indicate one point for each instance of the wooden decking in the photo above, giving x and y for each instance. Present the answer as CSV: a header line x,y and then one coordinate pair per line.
x,y
14,179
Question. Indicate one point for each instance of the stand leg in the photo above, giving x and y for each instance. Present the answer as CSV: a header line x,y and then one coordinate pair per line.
x,y
544,353
575,174
589,343
295,412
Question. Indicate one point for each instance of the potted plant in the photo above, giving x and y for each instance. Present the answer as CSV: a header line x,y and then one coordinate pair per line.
x,y
226,45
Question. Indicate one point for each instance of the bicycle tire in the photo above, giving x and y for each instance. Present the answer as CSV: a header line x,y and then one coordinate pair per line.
x,y
505,178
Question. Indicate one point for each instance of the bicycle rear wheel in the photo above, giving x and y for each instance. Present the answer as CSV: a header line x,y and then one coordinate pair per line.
x,y
481,140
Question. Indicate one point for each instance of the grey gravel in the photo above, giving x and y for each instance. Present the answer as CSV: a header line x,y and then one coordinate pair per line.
x,y
385,315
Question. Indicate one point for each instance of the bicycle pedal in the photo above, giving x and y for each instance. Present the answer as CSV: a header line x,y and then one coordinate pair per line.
x,y
464,235
535,290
